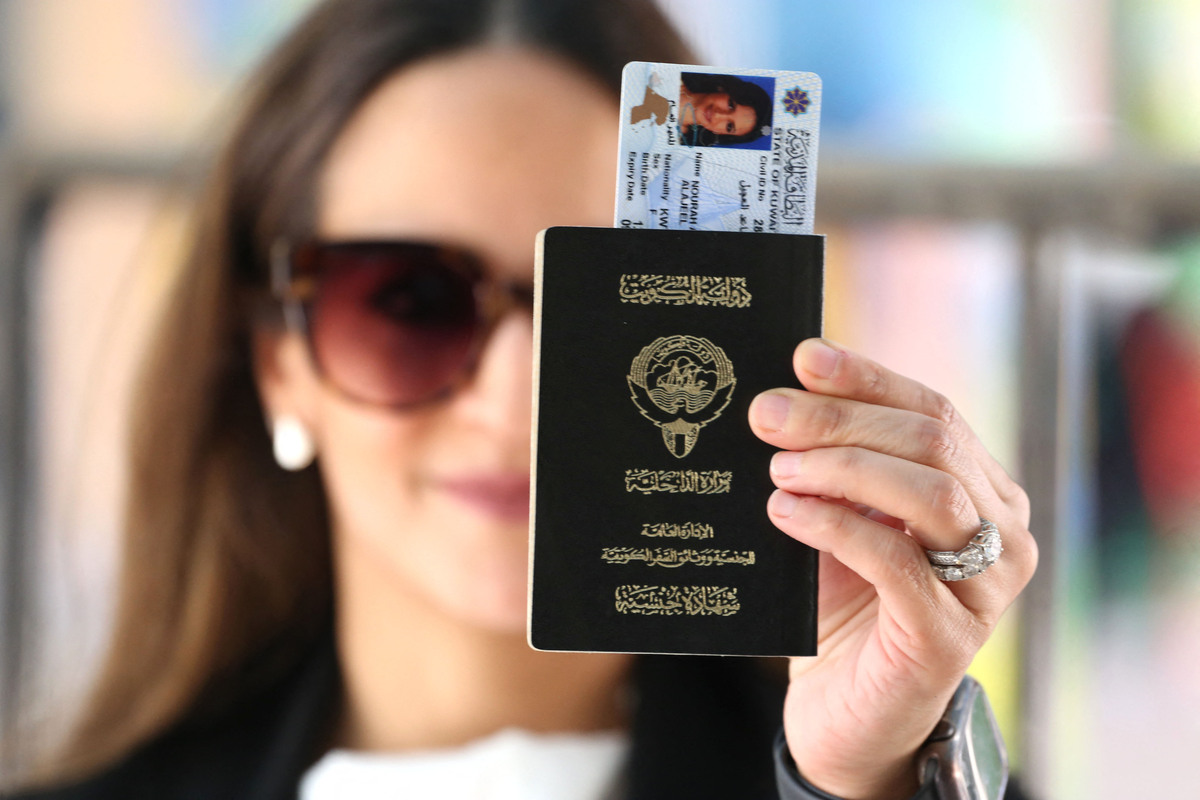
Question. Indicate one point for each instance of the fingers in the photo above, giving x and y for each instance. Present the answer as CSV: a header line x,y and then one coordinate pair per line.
x,y
887,559
826,368
796,420
935,506
864,436
897,566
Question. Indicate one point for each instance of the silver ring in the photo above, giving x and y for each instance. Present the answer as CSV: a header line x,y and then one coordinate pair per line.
x,y
979,554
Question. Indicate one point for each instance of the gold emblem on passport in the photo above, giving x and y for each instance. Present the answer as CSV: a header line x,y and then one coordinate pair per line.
x,y
681,383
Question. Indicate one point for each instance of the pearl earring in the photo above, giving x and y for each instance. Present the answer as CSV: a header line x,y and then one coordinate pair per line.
x,y
292,443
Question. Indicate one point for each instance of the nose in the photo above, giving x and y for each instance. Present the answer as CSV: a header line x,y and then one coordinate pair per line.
x,y
499,397
721,120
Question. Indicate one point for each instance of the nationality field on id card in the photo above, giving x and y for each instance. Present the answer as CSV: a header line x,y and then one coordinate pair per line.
x,y
723,150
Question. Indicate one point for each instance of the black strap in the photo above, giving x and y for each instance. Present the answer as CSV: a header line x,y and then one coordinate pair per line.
x,y
792,785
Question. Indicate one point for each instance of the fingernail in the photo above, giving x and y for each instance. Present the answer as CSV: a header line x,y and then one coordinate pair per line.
x,y
818,358
781,503
770,411
786,464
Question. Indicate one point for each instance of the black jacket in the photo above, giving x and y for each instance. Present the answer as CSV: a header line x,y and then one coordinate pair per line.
x,y
705,727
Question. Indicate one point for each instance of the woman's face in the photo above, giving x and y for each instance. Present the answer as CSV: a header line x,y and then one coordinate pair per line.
x,y
719,113
481,149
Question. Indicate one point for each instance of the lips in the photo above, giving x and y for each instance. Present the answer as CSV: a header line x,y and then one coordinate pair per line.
x,y
504,496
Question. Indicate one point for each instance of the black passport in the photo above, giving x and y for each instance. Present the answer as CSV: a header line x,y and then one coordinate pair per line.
x,y
649,529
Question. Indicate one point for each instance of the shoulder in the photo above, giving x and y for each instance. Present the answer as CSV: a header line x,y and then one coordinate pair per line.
x,y
255,750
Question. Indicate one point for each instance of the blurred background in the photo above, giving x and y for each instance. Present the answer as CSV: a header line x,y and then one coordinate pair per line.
x,y
1011,195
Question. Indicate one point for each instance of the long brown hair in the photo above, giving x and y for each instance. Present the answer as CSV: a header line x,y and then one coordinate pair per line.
x,y
226,573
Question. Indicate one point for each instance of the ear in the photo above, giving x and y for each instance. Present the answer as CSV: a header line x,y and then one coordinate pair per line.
x,y
287,379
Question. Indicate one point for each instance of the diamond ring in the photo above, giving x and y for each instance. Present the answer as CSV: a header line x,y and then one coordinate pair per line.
x,y
979,554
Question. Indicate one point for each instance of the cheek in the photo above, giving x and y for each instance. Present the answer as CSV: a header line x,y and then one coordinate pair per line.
x,y
395,531
371,463
748,121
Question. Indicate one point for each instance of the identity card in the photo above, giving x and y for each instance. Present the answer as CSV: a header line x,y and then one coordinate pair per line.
x,y
708,149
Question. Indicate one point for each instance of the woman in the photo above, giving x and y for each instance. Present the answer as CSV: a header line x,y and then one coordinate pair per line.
x,y
275,623
721,109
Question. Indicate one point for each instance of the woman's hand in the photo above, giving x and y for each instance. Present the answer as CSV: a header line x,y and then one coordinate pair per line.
x,y
875,469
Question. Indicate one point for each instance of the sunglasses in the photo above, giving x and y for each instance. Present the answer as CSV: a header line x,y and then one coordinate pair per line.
x,y
391,323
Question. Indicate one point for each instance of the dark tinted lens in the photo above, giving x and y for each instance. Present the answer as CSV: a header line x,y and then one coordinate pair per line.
x,y
392,324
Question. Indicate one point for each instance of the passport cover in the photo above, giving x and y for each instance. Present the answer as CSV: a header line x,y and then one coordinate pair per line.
x,y
649,530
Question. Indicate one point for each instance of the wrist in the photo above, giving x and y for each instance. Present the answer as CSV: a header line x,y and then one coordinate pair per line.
x,y
964,758
876,763
793,785
897,780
